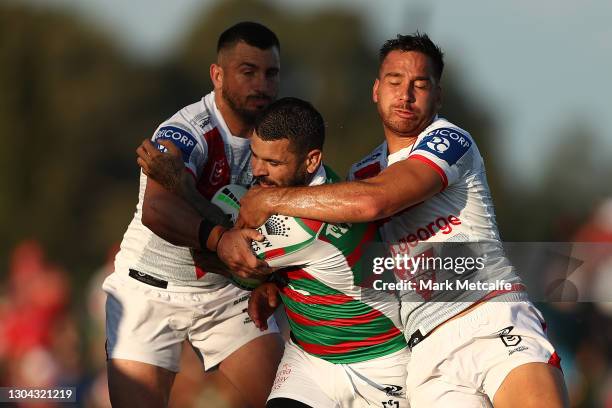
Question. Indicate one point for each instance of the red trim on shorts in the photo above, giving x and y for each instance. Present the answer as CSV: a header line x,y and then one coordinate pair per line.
x,y
199,272
434,166
555,360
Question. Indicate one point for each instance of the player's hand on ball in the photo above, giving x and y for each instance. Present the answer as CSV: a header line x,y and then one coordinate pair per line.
x,y
254,207
234,249
262,303
164,167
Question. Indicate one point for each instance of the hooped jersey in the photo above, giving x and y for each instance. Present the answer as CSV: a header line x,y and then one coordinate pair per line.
x,y
460,216
215,158
331,312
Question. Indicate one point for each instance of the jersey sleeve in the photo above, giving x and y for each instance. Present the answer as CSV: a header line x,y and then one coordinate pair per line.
x,y
445,150
288,241
193,150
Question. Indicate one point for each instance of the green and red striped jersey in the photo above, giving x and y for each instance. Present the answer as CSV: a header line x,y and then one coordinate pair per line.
x,y
323,265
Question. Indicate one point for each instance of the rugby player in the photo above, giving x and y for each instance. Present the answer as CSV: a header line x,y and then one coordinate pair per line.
x,y
158,297
346,346
426,183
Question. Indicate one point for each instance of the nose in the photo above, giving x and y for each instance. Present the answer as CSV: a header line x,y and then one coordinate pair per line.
x,y
266,85
407,93
258,167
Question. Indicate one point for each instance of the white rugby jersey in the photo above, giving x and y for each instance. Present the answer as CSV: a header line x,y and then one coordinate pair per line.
x,y
215,158
461,213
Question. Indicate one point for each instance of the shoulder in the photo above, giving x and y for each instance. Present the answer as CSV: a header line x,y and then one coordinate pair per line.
x,y
448,133
444,140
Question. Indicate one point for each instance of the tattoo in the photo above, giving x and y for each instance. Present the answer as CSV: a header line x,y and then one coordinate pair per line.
x,y
167,170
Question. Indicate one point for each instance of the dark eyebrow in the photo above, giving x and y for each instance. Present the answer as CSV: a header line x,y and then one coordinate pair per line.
x,y
393,74
247,65
422,79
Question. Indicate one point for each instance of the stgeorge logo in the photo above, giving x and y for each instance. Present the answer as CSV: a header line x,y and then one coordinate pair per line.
x,y
438,144
216,175
390,404
508,339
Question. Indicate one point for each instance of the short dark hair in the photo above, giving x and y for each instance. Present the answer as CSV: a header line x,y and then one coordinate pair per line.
x,y
415,42
254,34
293,119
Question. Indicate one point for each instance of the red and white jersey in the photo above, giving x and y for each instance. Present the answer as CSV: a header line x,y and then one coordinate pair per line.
x,y
461,213
215,158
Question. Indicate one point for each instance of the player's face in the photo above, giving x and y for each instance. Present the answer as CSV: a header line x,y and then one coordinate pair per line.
x,y
250,79
406,93
274,164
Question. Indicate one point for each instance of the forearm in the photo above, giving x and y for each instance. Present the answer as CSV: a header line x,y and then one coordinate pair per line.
x,y
398,187
341,202
170,217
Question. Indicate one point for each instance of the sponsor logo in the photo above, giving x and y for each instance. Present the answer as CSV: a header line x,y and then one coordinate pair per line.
x,y
438,144
440,224
201,120
276,226
390,404
508,339
520,348
393,390
181,138
446,143
242,299
337,230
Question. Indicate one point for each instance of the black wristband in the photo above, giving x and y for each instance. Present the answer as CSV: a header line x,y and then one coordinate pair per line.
x,y
204,231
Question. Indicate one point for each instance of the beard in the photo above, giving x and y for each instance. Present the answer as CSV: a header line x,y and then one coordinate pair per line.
x,y
405,127
248,115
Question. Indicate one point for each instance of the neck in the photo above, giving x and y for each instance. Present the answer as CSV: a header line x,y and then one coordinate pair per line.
x,y
396,142
235,123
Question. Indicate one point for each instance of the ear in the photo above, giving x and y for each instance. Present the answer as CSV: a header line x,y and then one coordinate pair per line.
x,y
216,76
313,160
439,98
375,91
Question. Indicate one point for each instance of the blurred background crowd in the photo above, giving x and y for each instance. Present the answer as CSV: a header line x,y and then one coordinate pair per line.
x,y
75,102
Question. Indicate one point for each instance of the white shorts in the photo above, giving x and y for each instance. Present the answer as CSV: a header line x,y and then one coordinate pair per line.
x,y
374,383
464,361
148,324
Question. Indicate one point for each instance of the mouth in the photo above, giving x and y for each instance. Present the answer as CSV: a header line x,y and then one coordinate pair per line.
x,y
259,99
265,183
404,113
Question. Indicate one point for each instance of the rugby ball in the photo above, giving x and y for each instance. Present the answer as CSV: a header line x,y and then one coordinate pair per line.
x,y
228,199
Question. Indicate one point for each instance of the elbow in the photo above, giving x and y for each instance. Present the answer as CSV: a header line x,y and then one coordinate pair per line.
x,y
371,208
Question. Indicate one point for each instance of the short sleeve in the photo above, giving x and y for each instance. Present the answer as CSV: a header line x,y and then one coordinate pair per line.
x,y
444,150
193,152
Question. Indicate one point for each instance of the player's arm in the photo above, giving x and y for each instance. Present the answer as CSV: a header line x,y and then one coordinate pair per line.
x,y
399,186
169,171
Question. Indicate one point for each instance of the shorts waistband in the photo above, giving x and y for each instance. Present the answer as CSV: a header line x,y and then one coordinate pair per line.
x,y
148,279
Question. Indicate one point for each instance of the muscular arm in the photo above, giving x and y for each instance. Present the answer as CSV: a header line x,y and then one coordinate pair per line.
x,y
401,185
169,216
168,170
